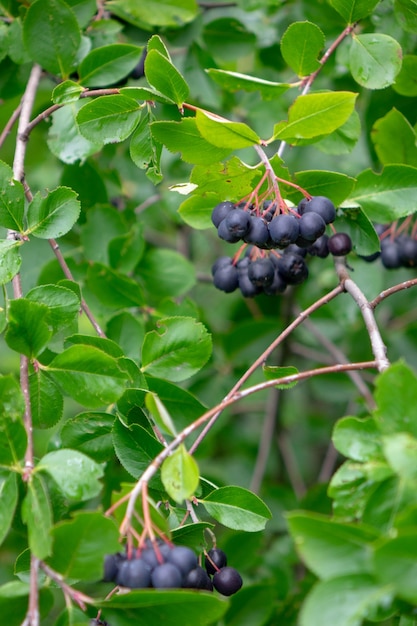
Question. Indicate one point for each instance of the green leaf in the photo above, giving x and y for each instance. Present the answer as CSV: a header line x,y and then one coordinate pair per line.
x,y
76,475
396,398
333,185
237,508
125,251
329,548
172,607
163,76
177,349
166,273
230,181
272,372
102,343
112,288
148,13
406,14
396,564
374,60
128,331
406,81
234,81
343,139
141,93
13,442
108,64
63,304
180,475
184,137
28,331
345,601
14,602
81,544
387,196
156,43
223,133
46,400
12,403
37,515
400,450
88,375
91,434
358,439
108,119
8,497
403,149
135,448
10,260
160,414
354,10
196,211
301,45
145,152
65,140
183,407
109,222
12,200
315,115
55,215
66,92
227,38
357,225
51,35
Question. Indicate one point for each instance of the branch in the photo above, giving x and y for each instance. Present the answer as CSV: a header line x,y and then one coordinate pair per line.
x,y
389,292
8,127
77,596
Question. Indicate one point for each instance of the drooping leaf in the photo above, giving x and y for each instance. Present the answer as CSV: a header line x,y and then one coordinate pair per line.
x,y
37,515
12,200
403,149
64,138
108,64
8,498
28,331
55,215
235,81
237,508
51,35
46,400
374,60
108,119
177,349
145,152
301,45
182,405
76,475
163,76
180,475
223,133
160,414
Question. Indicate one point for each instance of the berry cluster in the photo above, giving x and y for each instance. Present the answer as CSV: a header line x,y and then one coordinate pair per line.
x,y
164,566
398,248
276,242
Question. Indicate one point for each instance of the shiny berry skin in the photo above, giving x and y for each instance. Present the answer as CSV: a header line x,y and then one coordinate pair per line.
x,y
284,229
261,272
220,211
135,574
198,578
217,557
339,244
166,576
320,205
227,581
312,226
182,557
225,278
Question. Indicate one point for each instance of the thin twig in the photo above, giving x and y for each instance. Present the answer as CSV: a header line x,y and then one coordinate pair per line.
x,y
10,123
77,596
392,290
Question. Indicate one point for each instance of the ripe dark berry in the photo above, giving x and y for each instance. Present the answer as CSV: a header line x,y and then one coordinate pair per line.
x,y
112,563
408,252
222,261
225,234
220,211
390,254
166,576
247,287
134,573
215,560
198,578
292,269
284,229
226,278
227,581
277,286
258,233
237,222
261,272
320,205
312,226
340,244
183,558
320,247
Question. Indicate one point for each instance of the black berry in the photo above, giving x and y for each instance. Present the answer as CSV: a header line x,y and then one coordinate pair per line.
x,y
226,278
227,581
261,272
220,211
237,222
215,560
284,229
312,226
166,576
292,269
320,205
198,578
340,244
135,574
183,558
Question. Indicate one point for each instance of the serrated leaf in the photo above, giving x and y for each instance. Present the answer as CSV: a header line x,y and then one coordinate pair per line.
x,y
8,498
180,475
315,115
91,434
272,372
10,260
81,544
196,211
230,181
333,185
46,400
51,35
177,349
225,134
358,439
389,195
301,45
88,375
63,304
12,200
66,92
163,76
13,441
354,10
28,331
235,81
12,403
237,508
76,475
55,215
64,138
108,119
403,150
108,64
37,515
184,137
374,60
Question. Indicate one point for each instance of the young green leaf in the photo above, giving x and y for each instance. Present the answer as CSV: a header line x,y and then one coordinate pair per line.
x,y
108,64
235,81
163,76
403,149
374,60
55,215
237,508
12,200
46,400
37,515
358,439
180,475
225,134
10,260
160,414
108,119
301,45
273,372
76,475
156,43
28,331
66,92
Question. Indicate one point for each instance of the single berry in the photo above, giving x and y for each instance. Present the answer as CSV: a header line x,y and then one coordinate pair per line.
x,y
408,252
222,261
340,244
227,581
247,287
320,205
292,268
135,574
112,563
198,578
225,234
295,249
312,226
184,558
226,278
320,247
261,272
258,233
220,211
284,229
237,222
390,254
215,560
166,576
